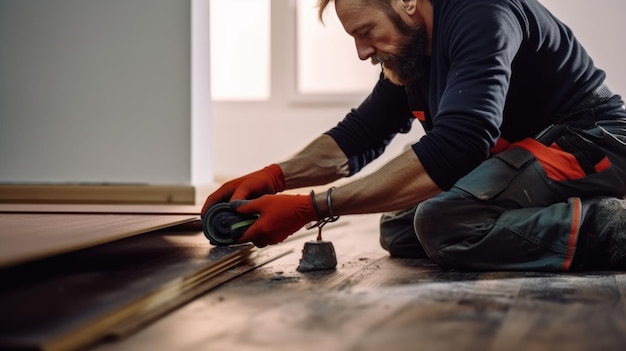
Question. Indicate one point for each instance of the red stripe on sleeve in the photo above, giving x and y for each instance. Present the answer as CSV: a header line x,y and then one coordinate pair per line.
x,y
420,115
501,145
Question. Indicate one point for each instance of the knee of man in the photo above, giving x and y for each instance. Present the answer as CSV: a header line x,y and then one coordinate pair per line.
x,y
426,222
438,231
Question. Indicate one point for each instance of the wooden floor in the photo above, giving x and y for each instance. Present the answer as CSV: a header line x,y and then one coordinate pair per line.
x,y
374,302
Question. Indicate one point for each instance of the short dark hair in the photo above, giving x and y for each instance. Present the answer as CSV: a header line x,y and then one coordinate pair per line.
x,y
383,4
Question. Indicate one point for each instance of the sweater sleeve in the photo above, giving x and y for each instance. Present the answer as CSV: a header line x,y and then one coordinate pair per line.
x,y
476,42
366,131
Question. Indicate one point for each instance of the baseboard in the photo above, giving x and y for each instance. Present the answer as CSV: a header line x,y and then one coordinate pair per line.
x,y
97,194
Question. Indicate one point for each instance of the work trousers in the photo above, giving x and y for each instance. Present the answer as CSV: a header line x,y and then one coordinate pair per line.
x,y
523,208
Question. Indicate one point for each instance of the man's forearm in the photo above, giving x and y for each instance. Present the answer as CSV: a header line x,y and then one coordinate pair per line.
x,y
399,184
320,162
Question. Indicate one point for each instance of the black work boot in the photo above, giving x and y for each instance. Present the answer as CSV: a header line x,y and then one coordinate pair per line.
x,y
602,237
397,234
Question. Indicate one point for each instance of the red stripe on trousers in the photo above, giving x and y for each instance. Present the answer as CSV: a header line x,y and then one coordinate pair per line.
x,y
573,234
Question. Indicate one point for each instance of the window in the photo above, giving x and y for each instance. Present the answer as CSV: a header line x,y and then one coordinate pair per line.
x,y
240,49
327,60
321,58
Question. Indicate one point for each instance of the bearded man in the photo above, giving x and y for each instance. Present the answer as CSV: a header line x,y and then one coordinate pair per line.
x,y
523,163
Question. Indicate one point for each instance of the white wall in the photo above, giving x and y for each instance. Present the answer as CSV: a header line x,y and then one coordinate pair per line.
x,y
95,91
249,135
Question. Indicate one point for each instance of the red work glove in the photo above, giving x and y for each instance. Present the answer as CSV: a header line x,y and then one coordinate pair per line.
x,y
269,180
280,216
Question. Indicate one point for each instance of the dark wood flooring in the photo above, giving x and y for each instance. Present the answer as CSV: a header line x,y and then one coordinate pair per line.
x,y
374,302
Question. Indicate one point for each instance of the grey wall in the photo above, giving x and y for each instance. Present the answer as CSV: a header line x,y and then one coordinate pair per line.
x,y
95,91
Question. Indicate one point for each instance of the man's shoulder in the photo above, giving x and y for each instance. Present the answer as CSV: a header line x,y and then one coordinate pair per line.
x,y
459,16
445,6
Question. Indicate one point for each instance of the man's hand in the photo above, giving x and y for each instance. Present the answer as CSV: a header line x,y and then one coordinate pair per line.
x,y
269,180
280,216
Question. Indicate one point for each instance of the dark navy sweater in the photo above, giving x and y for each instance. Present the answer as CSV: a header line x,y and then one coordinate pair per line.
x,y
499,69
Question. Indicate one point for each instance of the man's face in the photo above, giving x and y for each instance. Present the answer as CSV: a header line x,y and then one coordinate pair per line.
x,y
385,38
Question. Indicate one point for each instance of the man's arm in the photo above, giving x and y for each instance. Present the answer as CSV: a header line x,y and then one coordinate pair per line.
x,y
320,162
399,184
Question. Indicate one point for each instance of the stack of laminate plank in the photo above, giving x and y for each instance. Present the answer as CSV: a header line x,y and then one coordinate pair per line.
x,y
71,278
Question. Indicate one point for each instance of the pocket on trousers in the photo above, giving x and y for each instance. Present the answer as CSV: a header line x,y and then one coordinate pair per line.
x,y
494,175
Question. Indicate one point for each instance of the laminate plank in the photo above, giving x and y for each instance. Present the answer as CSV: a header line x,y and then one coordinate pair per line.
x,y
26,237
100,209
434,309
566,312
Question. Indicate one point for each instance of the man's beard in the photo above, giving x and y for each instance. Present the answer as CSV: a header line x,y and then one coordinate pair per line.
x,y
410,63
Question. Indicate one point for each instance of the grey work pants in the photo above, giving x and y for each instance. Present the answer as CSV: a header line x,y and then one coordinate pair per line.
x,y
523,208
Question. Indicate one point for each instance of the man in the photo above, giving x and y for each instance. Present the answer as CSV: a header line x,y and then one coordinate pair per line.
x,y
523,164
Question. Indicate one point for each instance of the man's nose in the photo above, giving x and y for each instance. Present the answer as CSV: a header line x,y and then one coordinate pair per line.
x,y
364,49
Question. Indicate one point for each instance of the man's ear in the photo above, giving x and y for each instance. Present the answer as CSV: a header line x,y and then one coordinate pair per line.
x,y
409,6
